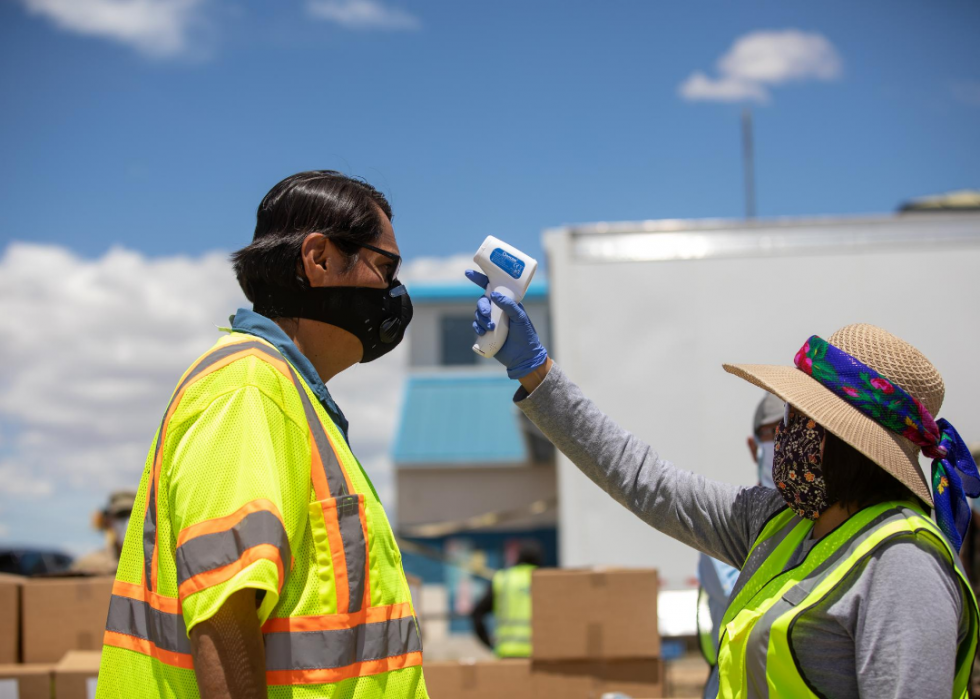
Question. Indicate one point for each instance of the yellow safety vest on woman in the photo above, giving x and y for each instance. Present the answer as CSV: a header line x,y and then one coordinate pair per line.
x,y
512,611
755,656
250,485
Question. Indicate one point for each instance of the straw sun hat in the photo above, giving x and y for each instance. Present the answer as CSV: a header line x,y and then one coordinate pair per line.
x,y
894,359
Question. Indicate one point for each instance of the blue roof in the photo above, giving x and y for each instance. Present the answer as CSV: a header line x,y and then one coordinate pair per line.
x,y
438,292
459,418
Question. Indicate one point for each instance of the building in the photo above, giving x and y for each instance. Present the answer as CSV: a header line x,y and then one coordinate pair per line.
x,y
473,475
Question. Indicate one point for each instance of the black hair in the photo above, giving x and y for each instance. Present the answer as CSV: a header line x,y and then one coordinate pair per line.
x,y
855,480
529,553
343,208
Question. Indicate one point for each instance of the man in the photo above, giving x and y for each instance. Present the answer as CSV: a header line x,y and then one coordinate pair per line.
x,y
262,563
113,521
717,579
509,599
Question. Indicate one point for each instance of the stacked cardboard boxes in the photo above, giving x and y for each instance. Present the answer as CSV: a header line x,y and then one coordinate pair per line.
x,y
75,677
63,614
593,633
10,587
491,679
44,621
26,681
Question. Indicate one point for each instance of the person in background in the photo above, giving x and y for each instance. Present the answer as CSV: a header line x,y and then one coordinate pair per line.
x,y
260,562
717,578
112,521
849,588
509,599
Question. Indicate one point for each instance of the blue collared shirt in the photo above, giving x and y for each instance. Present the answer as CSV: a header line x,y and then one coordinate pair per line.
x,y
246,321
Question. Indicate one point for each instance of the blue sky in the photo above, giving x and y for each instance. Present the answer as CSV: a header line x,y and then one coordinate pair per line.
x,y
137,136
477,119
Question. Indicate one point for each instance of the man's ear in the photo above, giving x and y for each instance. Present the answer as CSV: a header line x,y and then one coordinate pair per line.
x,y
753,448
316,262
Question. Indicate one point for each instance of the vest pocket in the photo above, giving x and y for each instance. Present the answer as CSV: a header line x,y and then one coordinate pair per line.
x,y
388,582
338,526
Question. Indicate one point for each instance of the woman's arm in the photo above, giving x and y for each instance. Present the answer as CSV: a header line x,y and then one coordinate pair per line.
x,y
719,519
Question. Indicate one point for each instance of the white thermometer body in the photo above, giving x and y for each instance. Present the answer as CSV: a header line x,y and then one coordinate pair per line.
x,y
509,271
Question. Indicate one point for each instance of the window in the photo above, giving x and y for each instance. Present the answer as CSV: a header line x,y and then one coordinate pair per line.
x,y
457,340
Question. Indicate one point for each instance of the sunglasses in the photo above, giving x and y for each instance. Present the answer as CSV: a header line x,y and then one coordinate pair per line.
x,y
396,261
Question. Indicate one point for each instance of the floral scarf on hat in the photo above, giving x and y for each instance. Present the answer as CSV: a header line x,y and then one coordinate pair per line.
x,y
797,466
954,473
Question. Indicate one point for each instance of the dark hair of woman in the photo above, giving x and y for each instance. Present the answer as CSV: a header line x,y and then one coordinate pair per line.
x,y
854,479
344,209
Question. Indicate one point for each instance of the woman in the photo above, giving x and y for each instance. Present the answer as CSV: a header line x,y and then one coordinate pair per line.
x,y
847,587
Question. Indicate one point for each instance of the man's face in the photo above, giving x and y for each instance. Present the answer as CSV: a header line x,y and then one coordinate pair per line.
x,y
372,269
324,265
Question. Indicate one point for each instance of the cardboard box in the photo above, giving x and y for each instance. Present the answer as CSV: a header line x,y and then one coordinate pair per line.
x,y
76,675
687,676
478,680
594,615
26,681
10,586
63,614
643,679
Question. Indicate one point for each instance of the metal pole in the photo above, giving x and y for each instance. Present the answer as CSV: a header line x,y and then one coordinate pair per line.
x,y
748,162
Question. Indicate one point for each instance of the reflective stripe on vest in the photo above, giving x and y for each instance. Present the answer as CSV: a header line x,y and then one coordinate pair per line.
x,y
756,657
200,558
512,611
335,643
359,640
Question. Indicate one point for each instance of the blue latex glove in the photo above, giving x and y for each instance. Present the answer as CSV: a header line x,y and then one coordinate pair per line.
x,y
523,352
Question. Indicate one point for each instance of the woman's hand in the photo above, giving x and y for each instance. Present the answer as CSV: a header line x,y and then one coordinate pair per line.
x,y
522,354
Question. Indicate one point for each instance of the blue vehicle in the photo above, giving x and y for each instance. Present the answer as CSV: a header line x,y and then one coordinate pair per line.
x,y
33,561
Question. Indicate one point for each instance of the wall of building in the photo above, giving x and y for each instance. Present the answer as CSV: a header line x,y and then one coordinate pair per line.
x,y
443,494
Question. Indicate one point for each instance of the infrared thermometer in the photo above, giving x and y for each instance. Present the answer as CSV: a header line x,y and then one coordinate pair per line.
x,y
509,271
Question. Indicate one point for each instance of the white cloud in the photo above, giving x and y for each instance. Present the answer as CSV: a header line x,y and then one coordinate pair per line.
x,y
363,14
726,89
764,59
155,27
17,483
92,349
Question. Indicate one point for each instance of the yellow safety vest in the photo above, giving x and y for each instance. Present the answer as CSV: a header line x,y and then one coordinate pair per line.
x,y
512,611
755,656
250,485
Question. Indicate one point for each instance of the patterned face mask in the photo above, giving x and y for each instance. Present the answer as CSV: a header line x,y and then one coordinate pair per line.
x,y
797,465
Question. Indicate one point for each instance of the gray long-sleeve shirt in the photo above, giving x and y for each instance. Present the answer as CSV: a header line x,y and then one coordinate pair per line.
x,y
891,630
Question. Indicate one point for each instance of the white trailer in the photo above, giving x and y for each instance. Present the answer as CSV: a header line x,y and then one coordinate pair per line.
x,y
644,314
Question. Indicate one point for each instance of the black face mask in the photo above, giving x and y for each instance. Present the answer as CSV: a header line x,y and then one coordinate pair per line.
x,y
376,317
